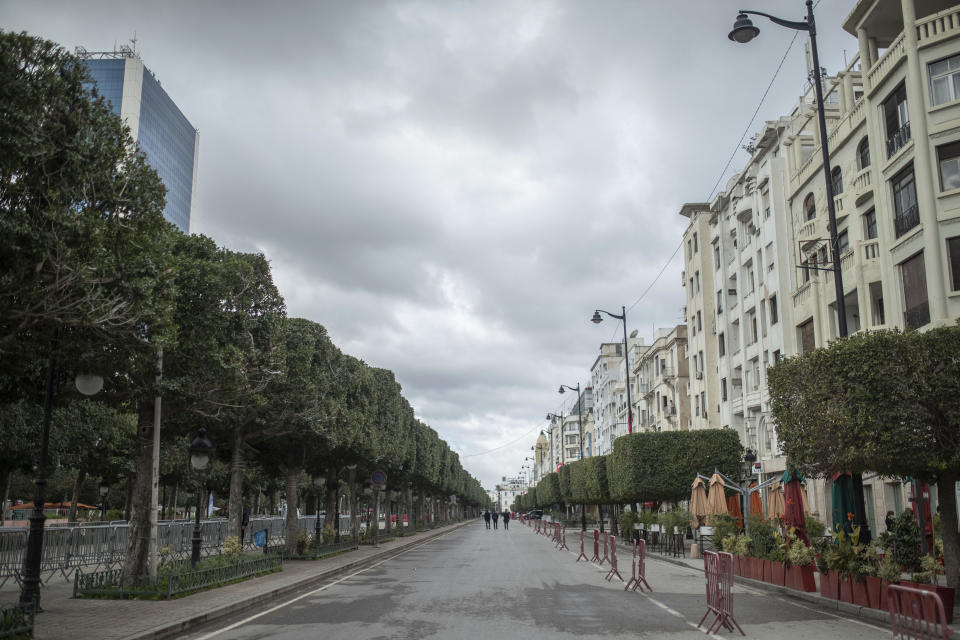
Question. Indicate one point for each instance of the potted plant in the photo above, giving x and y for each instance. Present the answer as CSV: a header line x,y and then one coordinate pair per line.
x,y
729,544
926,579
842,559
829,580
778,559
800,567
742,551
888,572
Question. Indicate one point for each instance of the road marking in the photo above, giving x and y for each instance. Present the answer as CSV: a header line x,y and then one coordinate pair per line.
x,y
323,588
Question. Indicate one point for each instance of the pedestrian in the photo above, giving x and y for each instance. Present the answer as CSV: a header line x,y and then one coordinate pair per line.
x,y
506,519
494,515
486,518
889,520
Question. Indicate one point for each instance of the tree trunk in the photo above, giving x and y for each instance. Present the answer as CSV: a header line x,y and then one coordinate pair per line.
x,y
128,500
352,487
256,503
75,497
330,504
138,563
238,466
947,495
6,497
291,524
173,501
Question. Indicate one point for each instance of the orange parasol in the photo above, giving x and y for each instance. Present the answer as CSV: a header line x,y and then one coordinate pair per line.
x,y
698,503
733,504
716,501
756,506
776,504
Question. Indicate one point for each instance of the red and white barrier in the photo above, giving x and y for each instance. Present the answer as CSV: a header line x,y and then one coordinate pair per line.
x,y
614,571
596,546
916,614
638,574
718,569
563,540
582,554
606,546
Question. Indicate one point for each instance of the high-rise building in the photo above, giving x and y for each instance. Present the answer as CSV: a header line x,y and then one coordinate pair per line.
x,y
158,126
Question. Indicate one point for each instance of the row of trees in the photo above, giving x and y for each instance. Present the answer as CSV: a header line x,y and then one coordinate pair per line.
x,y
186,333
643,467
886,402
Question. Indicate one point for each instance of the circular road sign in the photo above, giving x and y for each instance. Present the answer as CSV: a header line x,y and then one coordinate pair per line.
x,y
379,478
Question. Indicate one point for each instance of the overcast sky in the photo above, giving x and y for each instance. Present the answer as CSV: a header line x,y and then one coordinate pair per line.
x,y
451,188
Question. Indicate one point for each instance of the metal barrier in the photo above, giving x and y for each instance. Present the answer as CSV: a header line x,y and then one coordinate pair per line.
x,y
582,554
718,569
638,572
596,546
916,613
563,539
606,546
614,571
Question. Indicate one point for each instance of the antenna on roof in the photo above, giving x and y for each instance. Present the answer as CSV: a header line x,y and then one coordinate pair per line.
x,y
133,41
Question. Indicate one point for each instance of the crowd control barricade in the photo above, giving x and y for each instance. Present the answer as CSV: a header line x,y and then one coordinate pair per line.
x,y
596,546
556,534
718,569
563,539
638,572
606,548
582,554
614,571
916,614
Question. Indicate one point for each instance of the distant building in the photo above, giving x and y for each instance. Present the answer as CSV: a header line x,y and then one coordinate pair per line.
x,y
158,126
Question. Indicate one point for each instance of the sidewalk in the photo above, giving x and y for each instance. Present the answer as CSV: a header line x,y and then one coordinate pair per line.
x,y
66,618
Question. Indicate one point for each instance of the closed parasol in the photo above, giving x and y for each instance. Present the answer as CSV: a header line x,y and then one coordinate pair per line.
x,y
733,505
698,503
843,509
716,501
756,506
794,515
776,505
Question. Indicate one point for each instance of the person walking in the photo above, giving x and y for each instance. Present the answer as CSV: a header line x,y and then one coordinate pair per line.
x,y
506,519
486,518
494,515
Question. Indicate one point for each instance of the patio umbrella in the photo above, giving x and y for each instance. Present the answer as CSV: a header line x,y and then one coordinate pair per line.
x,y
733,504
698,503
716,501
756,506
776,504
794,515
803,496
843,508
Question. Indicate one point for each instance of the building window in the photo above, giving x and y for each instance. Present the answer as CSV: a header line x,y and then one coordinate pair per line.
x,y
870,224
863,154
699,322
836,179
689,249
948,157
723,389
696,246
810,207
843,242
944,80
716,257
805,267
720,344
774,317
906,211
917,309
776,356
897,120
953,259
766,212
807,338
719,302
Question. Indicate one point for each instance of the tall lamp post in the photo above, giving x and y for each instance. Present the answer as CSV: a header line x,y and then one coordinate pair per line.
x,y
749,457
597,319
201,453
744,31
104,490
88,385
563,388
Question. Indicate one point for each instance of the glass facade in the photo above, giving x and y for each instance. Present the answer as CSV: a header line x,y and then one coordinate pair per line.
x,y
165,135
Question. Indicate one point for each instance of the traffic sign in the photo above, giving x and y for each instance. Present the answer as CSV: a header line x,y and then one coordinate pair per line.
x,y
379,478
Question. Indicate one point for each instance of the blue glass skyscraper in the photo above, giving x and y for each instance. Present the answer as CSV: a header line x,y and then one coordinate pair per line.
x,y
161,130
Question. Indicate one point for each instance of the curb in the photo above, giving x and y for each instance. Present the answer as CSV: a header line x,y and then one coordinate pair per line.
x,y
828,604
191,623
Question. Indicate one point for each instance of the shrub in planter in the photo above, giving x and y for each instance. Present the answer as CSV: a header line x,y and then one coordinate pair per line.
x,y
888,572
926,580
800,567
778,558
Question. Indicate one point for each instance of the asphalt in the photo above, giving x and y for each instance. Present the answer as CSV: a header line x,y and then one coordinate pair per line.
x,y
473,582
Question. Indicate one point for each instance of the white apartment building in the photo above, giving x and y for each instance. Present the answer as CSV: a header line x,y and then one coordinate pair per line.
x,y
607,389
698,280
662,372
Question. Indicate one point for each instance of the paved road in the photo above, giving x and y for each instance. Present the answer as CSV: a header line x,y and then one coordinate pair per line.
x,y
475,583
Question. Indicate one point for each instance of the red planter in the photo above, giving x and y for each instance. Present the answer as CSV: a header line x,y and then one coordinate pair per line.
x,y
779,574
846,588
860,597
767,570
829,585
756,568
801,579
946,595
737,569
874,588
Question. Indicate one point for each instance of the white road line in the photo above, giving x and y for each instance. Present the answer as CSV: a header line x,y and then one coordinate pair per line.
x,y
316,591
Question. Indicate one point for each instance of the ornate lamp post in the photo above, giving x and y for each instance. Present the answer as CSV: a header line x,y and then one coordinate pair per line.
x,y
744,31
597,319
749,457
201,454
104,490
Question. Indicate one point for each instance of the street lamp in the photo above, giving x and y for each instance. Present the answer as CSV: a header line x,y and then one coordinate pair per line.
x,y
563,388
201,453
88,385
744,31
104,490
597,319
749,457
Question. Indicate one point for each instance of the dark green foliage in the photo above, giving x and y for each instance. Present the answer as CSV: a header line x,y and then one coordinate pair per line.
x,y
903,541
548,490
588,481
564,475
661,466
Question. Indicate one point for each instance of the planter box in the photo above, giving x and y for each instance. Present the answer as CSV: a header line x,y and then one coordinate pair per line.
x,y
767,570
846,588
779,573
829,585
860,597
874,587
946,595
802,579
736,565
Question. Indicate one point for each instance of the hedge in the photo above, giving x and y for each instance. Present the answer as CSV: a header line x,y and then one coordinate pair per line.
x,y
588,481
661,466
548,490
564,472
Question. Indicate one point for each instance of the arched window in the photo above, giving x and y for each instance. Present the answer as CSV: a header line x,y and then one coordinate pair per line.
x,y
810,207
836,177
863,154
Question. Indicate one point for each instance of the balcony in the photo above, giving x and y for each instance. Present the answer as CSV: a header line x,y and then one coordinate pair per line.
x,y
939,26
887,62
808,231
802,294
847,260
870,250
898,139
907,220
862,186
